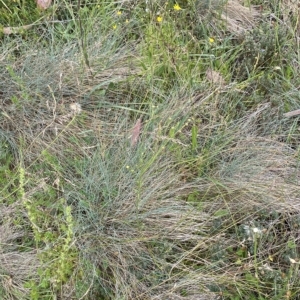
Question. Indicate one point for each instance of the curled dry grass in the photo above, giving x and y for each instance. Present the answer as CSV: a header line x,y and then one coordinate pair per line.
x,y
239,18
254,187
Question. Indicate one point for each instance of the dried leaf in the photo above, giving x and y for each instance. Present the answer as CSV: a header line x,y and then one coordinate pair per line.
x,y
43,4
136,132
7,30
214,76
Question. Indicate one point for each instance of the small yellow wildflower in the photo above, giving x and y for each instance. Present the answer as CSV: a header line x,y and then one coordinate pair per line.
x,y
211,40
177,7
119,13
271,258
159,19
115,27
127,21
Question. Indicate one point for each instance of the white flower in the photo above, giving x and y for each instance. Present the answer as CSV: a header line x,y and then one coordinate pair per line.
x,y
256,230
76,108
293,261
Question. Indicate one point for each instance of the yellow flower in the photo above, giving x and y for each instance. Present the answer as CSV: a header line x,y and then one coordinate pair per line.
x,y
115,26
177,7
119,13
211,40
127,21
159,19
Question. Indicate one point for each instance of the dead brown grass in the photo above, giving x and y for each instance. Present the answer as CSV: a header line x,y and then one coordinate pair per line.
x,y
238,17
17,266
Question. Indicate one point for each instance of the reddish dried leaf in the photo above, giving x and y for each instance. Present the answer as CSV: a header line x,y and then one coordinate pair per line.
x,y
43,4
7,30
136,132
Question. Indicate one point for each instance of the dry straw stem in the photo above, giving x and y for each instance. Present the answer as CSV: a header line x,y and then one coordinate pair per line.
x,y
292,113
15,30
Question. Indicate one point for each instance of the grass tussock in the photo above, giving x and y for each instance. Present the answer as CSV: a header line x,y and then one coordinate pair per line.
x,y
149,150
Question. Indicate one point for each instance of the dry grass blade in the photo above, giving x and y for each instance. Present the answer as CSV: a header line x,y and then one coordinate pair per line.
x,y
292,113
15,30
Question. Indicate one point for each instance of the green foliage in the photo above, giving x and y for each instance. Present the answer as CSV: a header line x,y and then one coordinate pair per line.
x,y
7,160
18,12
53,230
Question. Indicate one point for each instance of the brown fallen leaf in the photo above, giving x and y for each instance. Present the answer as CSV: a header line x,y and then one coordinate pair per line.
x,y
135,134
43,4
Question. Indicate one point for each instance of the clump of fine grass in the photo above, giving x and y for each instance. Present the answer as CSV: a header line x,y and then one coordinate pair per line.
x,y
64,99
48,105
203,204
130,203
